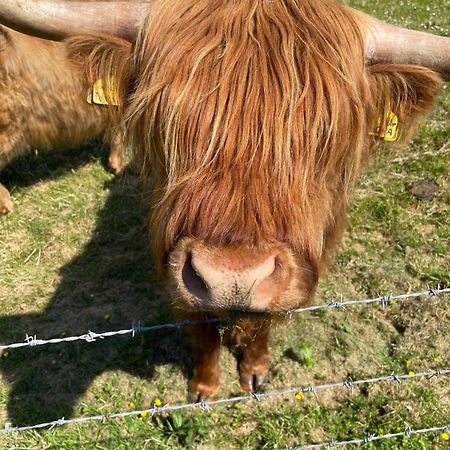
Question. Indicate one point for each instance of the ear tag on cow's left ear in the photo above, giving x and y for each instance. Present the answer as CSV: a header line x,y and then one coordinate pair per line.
x,y
391,133
98,96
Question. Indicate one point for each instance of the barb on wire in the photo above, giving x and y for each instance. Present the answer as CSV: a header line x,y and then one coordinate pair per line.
x,y
408,432
136,328
206,405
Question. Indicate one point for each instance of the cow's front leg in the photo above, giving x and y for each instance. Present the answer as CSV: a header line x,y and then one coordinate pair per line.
x,y
6,203
254,361
115,160
9,145
205,377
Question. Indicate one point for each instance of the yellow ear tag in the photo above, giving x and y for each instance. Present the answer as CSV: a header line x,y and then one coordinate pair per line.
x,y
391,133
98,96
391,128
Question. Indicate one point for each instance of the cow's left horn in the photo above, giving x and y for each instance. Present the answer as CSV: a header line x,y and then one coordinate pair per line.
x,y
58,19
387,43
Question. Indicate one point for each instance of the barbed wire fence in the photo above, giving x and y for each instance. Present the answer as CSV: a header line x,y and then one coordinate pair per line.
x,y
373,437
136,328
207,405
383,301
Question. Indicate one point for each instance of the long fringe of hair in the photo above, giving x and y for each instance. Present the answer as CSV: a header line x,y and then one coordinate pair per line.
x,y
252,118
242,105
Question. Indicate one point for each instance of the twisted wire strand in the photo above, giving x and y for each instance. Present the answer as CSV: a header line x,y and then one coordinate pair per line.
x,y
207,404
372,437
91,336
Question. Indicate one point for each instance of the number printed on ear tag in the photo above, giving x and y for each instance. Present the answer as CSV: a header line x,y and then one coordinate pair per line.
x,y
391,133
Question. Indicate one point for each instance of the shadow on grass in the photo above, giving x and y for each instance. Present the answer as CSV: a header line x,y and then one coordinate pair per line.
x,y
31,168
107,286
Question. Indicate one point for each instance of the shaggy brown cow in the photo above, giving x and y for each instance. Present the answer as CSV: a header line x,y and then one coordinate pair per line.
x,y
253,119
43,103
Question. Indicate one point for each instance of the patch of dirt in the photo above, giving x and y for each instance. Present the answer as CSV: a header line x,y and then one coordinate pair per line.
x,y
245,428
425,190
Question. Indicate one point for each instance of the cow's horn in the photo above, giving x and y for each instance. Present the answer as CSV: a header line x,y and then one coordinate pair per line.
x,y
58,19
387,43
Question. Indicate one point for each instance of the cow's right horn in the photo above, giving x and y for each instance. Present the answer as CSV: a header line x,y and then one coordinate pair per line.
x,y
53,19
386,43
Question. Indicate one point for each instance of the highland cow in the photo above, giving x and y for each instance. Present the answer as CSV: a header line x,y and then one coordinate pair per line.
x,y
43,103
252,120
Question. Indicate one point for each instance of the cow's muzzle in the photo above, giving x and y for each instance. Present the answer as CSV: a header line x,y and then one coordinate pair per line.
x,y
207,278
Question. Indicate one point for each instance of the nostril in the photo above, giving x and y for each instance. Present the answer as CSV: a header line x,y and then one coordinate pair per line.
x,y
278,267
193,282
271,277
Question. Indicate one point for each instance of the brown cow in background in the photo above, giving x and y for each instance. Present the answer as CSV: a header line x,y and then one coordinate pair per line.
x,y
43,103
253,120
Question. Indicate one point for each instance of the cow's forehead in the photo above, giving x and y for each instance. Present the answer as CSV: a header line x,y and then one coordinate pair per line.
x,y
266,88
250,131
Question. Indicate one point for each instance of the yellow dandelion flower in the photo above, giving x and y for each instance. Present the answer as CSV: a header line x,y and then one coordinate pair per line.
x,y
408,362
436,359
158,402
144,414
63,333
445,436
298,395
132,405
411,373
106,317
5,354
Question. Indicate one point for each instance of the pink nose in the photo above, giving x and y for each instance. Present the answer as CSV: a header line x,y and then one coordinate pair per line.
x,y
231,279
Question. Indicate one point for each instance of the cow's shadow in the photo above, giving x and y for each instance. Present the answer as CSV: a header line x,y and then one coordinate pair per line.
x,y
32,167
107,286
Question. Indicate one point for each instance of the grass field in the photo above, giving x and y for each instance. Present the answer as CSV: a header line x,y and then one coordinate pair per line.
x,y
74,257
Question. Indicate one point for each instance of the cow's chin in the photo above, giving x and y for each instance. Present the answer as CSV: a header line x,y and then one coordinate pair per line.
x,y
237,280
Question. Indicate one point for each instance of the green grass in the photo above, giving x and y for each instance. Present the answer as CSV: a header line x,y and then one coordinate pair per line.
x,y
74,257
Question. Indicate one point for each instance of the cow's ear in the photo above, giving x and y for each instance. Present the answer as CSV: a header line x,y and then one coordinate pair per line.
x,y
105,63
407,91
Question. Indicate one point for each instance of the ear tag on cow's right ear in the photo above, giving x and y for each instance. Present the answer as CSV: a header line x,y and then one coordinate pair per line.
x,y
98,96
391,133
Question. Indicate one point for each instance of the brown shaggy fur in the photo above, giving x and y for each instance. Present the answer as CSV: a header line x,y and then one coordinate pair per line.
x,y
267,99
43,101
253,119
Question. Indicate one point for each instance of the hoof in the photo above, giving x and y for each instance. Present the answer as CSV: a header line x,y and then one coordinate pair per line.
x,y
195,397
251,383
116,167
6,203
199,392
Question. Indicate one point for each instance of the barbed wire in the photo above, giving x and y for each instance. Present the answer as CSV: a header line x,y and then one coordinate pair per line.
x,y
384,300
206,405
372,437
92,336
136,328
